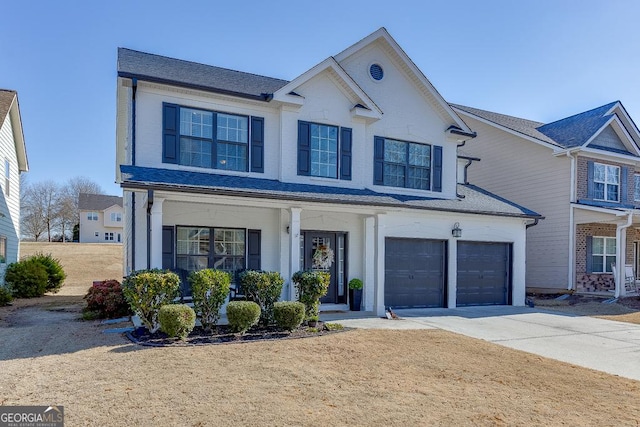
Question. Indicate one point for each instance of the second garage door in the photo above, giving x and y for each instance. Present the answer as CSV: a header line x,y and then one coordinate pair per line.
x,y
484,273
414,273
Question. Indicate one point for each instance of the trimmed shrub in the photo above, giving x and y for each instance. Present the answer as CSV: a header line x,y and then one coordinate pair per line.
x,y
148,290
107,300
55,272
210,289
177,320
242,315
26,279
263,288
5,296
288,314
311,286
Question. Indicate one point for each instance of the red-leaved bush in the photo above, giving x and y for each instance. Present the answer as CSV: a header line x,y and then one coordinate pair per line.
x,y
107,300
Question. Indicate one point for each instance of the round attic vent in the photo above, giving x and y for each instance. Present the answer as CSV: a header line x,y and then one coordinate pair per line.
x,y
376,72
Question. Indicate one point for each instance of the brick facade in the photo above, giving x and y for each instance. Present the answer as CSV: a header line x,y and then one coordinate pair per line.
x,y
598,282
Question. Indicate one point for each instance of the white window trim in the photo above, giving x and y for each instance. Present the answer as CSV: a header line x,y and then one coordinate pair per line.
x,y
604,254
606,175
636,183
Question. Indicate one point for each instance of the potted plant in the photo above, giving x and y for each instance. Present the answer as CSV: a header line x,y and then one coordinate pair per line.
x,y
355,294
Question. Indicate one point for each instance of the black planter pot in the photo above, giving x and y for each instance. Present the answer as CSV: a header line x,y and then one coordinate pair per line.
x,y
355,299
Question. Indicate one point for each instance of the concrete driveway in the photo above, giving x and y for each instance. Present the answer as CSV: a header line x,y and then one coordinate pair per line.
x,y
603,345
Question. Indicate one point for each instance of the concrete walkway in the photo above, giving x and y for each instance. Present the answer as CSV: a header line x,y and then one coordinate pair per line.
x,y
603,345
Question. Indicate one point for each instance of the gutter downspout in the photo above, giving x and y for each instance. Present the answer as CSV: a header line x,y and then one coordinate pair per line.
x,y
621,255
571,281
533,224
149,206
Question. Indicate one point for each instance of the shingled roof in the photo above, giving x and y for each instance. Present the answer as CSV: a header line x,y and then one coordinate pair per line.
x,y
162,69
97,202
6,99
475,200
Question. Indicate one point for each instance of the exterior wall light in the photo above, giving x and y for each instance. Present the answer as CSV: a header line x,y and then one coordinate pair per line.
x,y
457,231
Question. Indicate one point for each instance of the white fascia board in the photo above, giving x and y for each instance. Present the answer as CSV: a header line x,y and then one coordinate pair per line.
x,y
614,212
18,135
614,119
605,155
282,94
506,129
622,111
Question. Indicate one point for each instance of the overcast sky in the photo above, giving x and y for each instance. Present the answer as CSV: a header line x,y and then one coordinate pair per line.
x,y
542,60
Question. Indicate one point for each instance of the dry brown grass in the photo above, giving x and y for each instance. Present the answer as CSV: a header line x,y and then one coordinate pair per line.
x,y
360,377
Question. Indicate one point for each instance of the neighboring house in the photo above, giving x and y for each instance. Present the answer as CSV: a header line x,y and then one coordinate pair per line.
x,y
101,218
232,170
13,161
583,174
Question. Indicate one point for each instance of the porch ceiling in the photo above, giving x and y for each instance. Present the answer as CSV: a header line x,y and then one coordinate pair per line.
x,y
592,214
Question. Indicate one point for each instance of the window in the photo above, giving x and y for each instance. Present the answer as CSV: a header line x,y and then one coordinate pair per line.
x,y
213,140
7,177
324,150
221,248
636,187
92,216
3,249
407,164
116,217
606,182
603,253
97,234
108,237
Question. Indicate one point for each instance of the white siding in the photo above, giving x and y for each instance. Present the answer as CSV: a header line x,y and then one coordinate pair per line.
x,y
9,205
528,174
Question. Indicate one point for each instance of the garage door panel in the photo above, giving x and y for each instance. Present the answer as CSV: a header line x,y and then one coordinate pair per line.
x,y
414,272
483,273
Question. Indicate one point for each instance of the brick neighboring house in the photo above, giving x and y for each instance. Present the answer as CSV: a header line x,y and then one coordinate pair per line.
x,y
100,218
583,174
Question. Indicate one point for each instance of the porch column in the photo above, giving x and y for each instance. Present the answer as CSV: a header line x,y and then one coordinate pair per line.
x,y
380,233
156,233
294,247
369,262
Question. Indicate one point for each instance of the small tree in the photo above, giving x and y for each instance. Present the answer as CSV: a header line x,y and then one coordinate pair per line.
x,y
147,291
263,288
311,286
55,272
210,289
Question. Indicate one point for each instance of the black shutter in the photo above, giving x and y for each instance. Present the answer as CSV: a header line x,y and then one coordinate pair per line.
x,y
624,185
345,154
257,144
378,160
253,250
304,148
170,123
589,259
590,189
437,168
167,248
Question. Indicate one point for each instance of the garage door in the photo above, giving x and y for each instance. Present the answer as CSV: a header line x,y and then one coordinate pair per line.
x,y
414,273
484,273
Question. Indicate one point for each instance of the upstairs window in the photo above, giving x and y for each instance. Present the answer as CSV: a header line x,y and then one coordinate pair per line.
x,y
116,217
606,182
636,187
209,139
92,216
324,150
407,164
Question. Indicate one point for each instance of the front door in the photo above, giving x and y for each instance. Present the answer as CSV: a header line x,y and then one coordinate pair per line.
x,y
315,244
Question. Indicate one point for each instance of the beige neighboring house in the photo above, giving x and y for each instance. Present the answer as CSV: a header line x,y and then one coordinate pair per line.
x,y
100,218
583,174
13,161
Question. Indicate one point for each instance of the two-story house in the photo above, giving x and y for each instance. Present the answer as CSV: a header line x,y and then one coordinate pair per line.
x,y
13,161
583,174
231,170
101,218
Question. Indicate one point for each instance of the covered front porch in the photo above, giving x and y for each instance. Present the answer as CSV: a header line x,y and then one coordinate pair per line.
x,y
606,249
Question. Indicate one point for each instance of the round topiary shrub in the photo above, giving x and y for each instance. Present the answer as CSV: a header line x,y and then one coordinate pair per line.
x,y
177,320
26,279
55,272
210,289
288,314
5,296
242,315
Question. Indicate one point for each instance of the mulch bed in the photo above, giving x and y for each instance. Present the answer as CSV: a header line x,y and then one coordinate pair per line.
x,y
574,299
224,335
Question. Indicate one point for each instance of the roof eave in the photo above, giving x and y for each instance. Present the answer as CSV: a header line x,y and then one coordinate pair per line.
x,y
18,136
